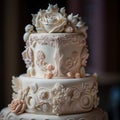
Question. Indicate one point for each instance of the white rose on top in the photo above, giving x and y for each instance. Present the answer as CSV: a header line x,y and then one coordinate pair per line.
x,y
50,20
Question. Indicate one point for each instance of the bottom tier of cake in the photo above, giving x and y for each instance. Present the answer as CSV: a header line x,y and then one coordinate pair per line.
x,y
96,114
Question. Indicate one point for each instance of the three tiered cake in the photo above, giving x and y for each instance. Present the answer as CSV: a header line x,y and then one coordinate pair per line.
x,y
56,86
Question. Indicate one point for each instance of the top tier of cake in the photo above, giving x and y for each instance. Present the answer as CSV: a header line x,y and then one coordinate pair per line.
x,y
57,47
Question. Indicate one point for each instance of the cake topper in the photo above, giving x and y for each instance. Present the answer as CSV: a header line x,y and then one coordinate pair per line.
x,y
55,20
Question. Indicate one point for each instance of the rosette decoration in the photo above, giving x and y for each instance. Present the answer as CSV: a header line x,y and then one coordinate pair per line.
x,y
55,20
50,20
17,106
57,99
86,102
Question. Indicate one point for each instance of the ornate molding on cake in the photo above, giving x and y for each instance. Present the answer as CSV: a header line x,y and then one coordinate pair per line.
x,y
96,114
28,57
40,60
53,50
58,98
50,39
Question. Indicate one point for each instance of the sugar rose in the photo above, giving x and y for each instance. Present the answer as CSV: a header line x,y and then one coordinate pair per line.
x,y
17,106
50,20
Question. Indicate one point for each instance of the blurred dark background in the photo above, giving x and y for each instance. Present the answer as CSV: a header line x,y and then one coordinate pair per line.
x,y
101,16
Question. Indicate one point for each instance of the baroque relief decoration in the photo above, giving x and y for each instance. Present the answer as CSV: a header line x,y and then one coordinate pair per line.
x,y
44,66
28,57
58,43
84,56
58,57
72,63
40,61
19,92
59,99
16,86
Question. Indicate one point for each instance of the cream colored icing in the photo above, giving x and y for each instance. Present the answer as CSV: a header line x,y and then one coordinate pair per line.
x,y
50,20
28,30
55,20
65,52
96,114
56,96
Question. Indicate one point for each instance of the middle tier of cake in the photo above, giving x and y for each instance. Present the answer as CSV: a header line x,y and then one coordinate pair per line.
x,y
56,96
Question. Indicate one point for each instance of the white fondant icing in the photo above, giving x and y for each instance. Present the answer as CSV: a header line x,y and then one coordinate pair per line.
x,y
96,114
58,96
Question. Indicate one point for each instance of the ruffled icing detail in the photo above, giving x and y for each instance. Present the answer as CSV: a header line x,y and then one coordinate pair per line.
x,y
55,20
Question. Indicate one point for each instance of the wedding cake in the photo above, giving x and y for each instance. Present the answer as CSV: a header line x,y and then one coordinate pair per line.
x,y
56,85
